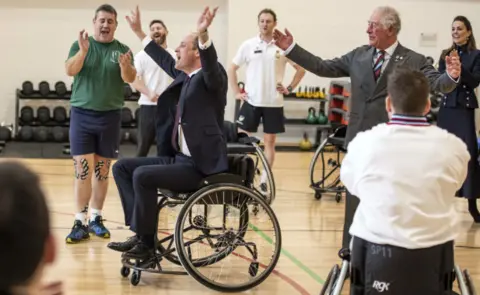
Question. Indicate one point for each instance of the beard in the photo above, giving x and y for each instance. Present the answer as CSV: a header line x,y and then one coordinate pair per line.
x,y
159,38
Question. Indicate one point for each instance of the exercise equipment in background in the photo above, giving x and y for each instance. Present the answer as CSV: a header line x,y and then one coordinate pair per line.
x,y
43,114
305,144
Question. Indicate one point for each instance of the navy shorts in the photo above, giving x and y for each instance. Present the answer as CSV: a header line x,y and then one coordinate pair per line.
x,y
272,118
94,132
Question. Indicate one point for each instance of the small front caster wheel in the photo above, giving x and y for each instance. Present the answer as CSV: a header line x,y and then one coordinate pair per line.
x,y
124,271
135,279
318,195
338,197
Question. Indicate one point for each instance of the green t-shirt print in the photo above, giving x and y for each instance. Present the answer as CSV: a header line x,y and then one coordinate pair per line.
x,y
99,84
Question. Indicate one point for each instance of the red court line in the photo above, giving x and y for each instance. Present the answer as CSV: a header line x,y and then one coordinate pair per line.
x,y
282,276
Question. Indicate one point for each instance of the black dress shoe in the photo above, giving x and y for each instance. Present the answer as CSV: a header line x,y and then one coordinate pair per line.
x,y
140,251
124,246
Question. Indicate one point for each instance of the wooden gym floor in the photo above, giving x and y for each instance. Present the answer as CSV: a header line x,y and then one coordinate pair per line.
x,y
311,231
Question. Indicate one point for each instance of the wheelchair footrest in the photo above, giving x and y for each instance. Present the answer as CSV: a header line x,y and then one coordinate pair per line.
x,y
151,265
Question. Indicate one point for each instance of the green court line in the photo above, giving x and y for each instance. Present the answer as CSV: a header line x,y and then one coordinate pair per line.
x,y
297,262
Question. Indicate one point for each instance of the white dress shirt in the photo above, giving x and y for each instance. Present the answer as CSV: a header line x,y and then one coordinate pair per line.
x,y
405,173
182,143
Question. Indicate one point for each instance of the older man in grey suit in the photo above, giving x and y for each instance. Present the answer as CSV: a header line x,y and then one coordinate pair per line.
x,y
368,67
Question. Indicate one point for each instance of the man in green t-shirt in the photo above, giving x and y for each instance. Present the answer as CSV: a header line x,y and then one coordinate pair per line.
x,y
101,66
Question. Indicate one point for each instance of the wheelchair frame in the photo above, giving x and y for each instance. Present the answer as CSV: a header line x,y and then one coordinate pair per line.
x,y
250,145
223,181
319,187
339,274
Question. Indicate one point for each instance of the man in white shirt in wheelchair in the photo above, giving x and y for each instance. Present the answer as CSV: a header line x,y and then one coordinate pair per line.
x,y
405,173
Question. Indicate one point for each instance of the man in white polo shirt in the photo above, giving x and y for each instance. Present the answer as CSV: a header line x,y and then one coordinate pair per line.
x,y
264,86
405,173
151,81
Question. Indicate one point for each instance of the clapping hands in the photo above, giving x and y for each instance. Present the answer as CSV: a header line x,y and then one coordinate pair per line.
x,y
453,64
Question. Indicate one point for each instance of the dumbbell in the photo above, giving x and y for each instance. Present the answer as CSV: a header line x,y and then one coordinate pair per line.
x,y
43,114
5,133
60,88
26,114
27,88
26,133
59,134
40,134
44,88
59,114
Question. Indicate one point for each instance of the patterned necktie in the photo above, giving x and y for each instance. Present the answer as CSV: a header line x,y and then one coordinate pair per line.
x,y
377,67
178,114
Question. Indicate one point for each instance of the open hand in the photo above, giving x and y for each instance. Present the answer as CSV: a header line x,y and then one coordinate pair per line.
x,y
125,59
83,42
206,19
283,41
453,64
134,20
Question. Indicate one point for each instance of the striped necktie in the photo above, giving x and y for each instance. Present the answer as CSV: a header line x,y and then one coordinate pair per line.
x,y
377,67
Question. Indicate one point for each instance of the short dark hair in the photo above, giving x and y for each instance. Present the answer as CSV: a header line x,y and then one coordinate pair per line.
x,y
409,91
107,8
157,21
24,224
269,11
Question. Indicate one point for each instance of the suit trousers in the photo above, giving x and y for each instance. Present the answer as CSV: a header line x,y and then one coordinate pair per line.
x,y
351,204
391,270
146,129
138,181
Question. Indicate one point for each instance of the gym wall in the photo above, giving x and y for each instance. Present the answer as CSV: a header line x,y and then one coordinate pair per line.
x,y
331,28
37,36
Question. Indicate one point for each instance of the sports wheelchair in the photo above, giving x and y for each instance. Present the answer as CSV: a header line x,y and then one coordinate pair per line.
x,y
331,152
240,142
225,240
339,274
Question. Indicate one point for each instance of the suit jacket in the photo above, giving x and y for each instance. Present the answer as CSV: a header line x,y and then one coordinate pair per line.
x,y
464,95
367,102
202,101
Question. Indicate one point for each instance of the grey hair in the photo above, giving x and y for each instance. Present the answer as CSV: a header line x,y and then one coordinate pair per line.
x,y
390,18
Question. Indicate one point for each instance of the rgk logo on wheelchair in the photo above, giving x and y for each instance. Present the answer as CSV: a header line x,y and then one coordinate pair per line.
x,y
380,286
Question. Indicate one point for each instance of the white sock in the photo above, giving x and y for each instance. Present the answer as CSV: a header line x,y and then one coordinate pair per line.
x,y
81,216
95,213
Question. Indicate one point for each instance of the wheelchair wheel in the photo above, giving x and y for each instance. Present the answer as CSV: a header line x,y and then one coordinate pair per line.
x,y
268,189
173,256
331,281
329,156
469,282
234,242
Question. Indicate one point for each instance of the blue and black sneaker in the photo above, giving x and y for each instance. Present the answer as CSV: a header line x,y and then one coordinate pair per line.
x,y
79,233
96,227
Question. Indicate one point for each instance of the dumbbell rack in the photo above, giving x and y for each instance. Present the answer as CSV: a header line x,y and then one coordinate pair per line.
x,y
35,95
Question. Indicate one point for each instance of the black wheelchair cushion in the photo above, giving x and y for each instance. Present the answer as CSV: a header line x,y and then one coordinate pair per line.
x,y
241,170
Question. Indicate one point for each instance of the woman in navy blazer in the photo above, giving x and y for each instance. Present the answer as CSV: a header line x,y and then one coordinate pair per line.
x,y
457,109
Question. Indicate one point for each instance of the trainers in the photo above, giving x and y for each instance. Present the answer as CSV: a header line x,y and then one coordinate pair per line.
x,y
79,233
96,227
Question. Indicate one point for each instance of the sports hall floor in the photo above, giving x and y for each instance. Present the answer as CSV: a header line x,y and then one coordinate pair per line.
x,y
311,232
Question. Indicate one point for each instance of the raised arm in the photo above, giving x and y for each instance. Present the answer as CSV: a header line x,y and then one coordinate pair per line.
x,y
213,75
156,52
439,81
335,68
160,56
78,53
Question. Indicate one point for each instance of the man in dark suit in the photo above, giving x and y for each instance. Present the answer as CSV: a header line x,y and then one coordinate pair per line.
x,y
368,67
200,86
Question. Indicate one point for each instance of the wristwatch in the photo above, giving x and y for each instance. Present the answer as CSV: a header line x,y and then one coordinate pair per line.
x,y
289,88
